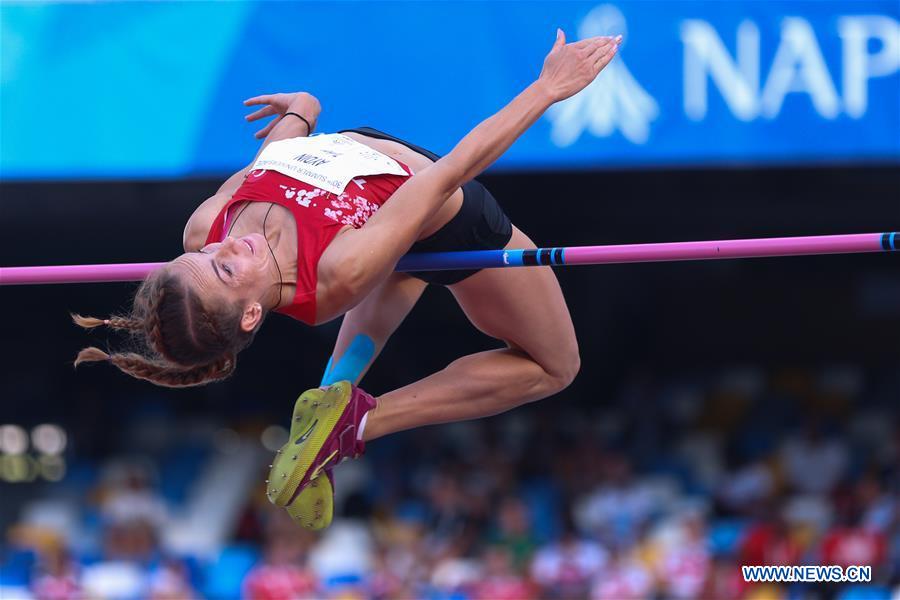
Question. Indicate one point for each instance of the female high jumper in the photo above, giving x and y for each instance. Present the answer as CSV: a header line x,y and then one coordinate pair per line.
x,y
313,228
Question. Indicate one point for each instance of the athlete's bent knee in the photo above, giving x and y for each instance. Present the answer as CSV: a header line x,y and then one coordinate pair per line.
x,y
571,371
565,369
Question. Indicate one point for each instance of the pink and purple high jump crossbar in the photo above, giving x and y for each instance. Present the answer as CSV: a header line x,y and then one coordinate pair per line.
x,y
488,259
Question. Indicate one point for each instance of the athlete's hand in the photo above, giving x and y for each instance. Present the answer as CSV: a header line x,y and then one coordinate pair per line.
x,y
301,103
569,68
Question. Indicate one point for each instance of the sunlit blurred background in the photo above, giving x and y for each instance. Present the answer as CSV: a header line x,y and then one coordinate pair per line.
x,y
727,413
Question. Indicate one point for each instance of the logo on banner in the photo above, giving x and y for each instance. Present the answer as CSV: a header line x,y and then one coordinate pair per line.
x,y
615,101
870,48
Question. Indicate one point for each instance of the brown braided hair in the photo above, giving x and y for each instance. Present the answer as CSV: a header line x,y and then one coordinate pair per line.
x,y
181,342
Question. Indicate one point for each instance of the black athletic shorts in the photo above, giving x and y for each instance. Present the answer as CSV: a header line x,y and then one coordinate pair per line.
x,y
480,223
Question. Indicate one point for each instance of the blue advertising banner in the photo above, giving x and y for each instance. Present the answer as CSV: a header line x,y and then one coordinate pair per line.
x,y
154,89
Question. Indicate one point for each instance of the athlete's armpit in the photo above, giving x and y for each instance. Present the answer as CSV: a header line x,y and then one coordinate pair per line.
x,y
197,228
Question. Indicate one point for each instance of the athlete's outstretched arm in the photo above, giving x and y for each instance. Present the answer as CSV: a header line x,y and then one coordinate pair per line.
x,y
568,69
279,128
358,260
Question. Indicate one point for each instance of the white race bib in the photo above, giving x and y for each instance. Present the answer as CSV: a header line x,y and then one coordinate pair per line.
x,y
328,161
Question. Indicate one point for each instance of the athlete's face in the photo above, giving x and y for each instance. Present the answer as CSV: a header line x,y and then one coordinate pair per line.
x,y
233,271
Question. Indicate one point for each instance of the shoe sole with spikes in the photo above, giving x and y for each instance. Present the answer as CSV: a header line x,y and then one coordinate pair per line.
x,y
313,508
316,413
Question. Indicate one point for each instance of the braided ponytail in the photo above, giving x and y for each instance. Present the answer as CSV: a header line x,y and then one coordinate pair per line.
x,y
160,373
182,342
165,375
91,354
87,322
115,322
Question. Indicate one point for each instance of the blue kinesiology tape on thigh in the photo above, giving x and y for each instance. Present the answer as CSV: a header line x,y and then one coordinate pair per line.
x,y
354,361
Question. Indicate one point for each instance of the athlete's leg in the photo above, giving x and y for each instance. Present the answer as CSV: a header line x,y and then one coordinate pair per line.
x,y
364,332
523,307
367,327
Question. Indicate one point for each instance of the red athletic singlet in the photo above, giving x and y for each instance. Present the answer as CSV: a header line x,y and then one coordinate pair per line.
x,y
319,216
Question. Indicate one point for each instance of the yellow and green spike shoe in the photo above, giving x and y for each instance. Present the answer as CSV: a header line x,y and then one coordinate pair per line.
x,y
313,508
323,433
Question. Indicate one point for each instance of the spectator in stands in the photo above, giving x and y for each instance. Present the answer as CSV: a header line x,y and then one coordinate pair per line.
x,y
57,577
283,572
879,507
628,576
171,581
847,546
499,579
128,496
770,541
401,558
747,486
565,569
813,463
513,531
683,560
851,542
449,504
724,579
130,551
619,507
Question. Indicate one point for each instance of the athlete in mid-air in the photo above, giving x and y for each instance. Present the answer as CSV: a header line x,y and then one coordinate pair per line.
x,y
313,228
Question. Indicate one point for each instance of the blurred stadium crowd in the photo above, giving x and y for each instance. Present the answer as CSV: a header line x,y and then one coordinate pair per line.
x,y
560,499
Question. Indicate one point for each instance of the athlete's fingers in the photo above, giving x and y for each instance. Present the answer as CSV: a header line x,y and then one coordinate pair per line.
x,y
606,45
560,40
593,42
265,111
602,56
585,43
263,99
262,133
598,52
